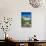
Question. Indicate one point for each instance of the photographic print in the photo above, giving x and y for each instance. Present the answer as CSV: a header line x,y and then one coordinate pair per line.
x,y
26,19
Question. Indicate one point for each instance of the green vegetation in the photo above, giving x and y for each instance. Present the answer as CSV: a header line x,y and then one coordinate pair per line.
x,y
25,23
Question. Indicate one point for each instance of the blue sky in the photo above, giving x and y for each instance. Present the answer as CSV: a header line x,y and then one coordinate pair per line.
x,y
26,14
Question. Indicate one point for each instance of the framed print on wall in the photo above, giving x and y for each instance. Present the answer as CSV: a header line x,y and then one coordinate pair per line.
x,y
26,19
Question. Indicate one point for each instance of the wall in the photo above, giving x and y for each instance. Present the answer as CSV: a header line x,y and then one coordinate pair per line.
x,y
13,8
45,28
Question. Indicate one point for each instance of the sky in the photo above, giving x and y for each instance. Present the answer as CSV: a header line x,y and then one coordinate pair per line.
x,y
26,14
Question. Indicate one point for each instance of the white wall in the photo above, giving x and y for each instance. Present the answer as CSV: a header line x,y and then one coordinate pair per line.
x,y
13,8
45,28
